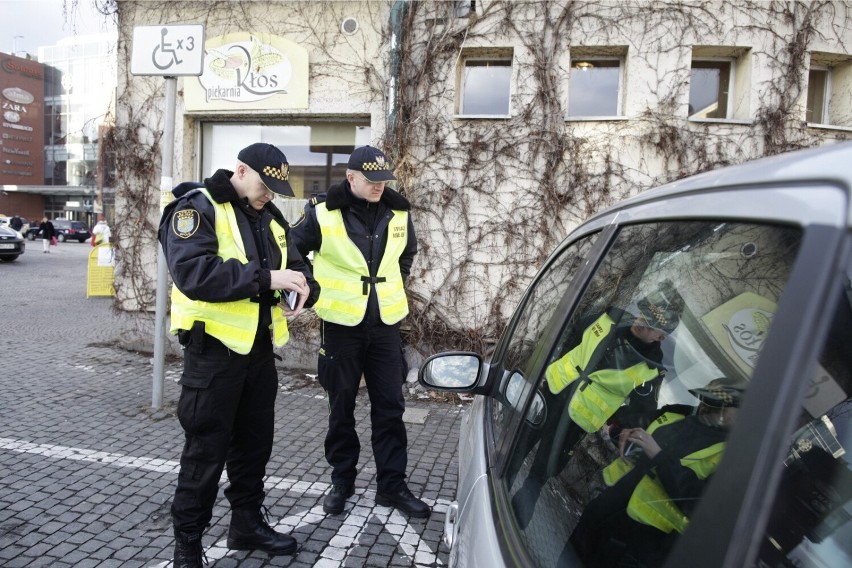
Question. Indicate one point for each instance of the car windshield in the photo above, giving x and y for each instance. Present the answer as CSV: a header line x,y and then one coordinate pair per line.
x,y
641,389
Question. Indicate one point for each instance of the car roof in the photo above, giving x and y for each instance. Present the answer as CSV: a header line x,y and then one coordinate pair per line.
x,y
803,187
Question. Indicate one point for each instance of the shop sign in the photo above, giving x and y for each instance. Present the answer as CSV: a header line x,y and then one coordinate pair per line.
x,y
249,71
170,51
21,121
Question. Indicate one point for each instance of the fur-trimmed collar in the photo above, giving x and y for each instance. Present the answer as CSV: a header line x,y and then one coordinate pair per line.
x,y
220,187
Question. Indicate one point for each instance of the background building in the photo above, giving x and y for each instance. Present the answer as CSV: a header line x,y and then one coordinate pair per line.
x,y
21,134
79,102
508,122
53,164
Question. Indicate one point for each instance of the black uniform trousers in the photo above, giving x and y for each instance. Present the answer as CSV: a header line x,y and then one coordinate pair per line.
x,y
226,409
373,349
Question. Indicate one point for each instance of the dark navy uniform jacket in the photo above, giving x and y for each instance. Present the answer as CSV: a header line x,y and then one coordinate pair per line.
x,y
192,260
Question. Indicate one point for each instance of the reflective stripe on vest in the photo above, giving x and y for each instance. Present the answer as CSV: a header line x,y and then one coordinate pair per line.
x,y
233,323
649,503
604,390
344,278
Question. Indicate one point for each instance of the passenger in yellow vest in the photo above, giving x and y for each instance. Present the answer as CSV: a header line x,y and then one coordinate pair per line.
x,y
610,377
363,242
618,360
230,256
657,482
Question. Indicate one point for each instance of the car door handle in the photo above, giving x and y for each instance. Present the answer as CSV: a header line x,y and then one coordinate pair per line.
x,y
450,518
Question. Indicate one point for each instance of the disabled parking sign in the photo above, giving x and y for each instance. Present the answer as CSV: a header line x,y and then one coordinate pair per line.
x,y
171,51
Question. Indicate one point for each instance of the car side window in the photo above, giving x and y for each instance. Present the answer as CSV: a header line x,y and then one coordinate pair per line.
x,y
640,390
811,519
525,336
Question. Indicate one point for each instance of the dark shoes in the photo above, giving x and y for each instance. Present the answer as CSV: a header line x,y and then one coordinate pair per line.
x,y
250,531
336,498
403,500
188,551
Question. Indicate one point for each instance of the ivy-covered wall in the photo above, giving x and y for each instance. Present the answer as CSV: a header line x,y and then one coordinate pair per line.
x,y
492,197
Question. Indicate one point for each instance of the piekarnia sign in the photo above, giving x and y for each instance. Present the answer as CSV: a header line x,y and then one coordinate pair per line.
x,y
250,71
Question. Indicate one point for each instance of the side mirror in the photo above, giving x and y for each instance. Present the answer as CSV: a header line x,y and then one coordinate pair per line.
x,y
451,371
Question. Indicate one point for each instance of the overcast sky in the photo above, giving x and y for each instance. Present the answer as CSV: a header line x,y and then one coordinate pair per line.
x,y
42,22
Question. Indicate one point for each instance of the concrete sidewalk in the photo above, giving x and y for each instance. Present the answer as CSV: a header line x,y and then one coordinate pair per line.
x,y
87,468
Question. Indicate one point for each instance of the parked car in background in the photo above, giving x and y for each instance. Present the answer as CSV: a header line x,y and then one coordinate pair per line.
x,y
66,230
12,244
574,451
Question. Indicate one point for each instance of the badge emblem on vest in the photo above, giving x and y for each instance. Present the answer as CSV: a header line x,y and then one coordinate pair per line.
x,y
185,223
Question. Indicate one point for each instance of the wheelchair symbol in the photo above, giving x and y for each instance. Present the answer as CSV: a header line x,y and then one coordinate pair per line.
x,y
163,55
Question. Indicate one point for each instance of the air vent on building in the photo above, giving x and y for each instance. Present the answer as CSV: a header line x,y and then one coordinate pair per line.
x,y
349,26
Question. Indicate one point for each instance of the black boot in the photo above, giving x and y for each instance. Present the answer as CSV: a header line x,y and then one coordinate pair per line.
x,y
336,498
250,531
403,500
188,551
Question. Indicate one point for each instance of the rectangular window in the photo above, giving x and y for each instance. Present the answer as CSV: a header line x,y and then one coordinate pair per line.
x,y
594,87
650,348
818,80
485,87
829,101
710,89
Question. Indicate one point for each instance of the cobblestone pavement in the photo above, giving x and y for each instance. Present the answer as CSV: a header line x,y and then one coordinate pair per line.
x,y
87,467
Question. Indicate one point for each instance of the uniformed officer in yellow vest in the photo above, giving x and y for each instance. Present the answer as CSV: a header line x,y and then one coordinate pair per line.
x,y
233,264
657,480
363,241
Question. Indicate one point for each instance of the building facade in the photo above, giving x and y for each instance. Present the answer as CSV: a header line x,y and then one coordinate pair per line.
x,y
508,122
79,104
56,108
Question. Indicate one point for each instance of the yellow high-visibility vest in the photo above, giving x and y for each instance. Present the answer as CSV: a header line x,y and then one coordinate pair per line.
x,y
233,323
596,401
343,275
649,503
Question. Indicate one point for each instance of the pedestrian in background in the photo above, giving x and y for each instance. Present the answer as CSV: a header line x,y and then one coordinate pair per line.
x,y
47,233
364,244
230,256
101,232
16,223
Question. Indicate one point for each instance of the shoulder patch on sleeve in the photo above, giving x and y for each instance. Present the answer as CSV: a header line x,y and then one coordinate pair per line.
x,y
299,222
185,223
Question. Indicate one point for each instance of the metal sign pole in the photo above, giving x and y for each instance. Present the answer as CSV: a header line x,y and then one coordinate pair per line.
x,y
170,52
168,145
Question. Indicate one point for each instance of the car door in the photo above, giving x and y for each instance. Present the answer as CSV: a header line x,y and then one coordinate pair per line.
x,y
470,524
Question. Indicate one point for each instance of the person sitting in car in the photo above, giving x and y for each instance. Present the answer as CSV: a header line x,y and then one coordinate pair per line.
x,y
657,480
611,376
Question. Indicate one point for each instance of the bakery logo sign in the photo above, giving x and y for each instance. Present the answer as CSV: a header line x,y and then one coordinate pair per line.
x,y
747,330
245,71
248,71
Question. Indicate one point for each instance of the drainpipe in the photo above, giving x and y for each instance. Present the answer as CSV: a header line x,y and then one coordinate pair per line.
x,y
397,17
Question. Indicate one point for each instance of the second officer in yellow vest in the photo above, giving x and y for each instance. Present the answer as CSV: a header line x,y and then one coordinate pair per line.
x,y
658,480
229,255
363,242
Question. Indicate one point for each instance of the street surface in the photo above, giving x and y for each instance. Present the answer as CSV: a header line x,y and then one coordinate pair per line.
x,y
87,467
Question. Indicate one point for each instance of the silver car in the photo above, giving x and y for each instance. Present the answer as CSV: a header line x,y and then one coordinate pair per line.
x,y
674,387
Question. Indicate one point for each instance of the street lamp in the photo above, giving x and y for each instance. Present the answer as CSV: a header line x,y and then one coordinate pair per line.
x,y
15,44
